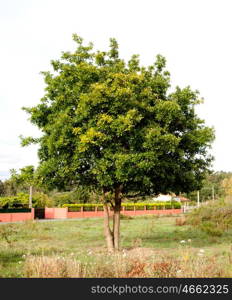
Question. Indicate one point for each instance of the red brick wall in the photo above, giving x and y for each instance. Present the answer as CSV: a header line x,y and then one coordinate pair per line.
x,y
89,214
14,217
152,212
63,213
56,213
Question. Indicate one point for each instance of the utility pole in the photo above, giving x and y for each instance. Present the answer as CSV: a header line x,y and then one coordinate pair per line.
x,y
30,197
198,198
213,198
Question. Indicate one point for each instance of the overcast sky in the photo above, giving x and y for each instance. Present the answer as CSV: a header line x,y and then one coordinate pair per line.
x,y
193,35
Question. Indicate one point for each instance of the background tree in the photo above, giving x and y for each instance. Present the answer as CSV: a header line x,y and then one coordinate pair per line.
x,y
11,185
114,126
226,186
24,178
214,183
19,182
2,189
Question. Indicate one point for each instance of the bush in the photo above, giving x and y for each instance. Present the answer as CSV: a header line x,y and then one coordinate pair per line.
x,y
8,233
127,206
21,200
210,229
78,196
86,206
214,218
14,210
152,205
42,200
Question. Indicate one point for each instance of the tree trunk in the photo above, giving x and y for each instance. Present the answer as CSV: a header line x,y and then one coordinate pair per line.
x,y
116,219
107,230
112,237
116,229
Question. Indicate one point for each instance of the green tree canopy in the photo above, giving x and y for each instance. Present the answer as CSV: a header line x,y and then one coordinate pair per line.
x,y
2,189
24,178
114,125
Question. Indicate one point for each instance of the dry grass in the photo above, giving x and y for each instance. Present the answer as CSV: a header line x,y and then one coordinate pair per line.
x,y
53,267
126,265
180,221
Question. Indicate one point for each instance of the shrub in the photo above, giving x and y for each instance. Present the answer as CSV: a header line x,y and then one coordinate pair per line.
x,y
8,233
210,229
42,200
14,210
151,205
214,218
77,196
20,200
86,206
127,206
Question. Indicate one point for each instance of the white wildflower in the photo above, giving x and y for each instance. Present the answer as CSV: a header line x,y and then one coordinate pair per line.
x,y
182,242
189,240
201,251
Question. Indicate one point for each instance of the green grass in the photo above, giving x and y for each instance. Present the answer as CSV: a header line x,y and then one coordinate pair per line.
x,y
83,239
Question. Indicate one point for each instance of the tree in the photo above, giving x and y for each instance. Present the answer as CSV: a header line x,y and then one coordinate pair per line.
x,y
2,189
114,126
226,186
20,181
24,178
212,186
11,185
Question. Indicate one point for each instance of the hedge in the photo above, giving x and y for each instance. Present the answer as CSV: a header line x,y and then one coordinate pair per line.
x,y
14,210
86,207
21,199
127,206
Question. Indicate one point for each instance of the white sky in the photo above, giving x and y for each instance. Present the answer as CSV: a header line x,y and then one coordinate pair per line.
x,y
193,35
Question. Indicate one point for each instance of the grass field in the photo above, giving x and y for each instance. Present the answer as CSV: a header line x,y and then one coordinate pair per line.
x,y
151,247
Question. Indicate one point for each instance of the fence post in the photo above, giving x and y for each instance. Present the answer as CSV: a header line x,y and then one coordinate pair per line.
x,y
66,217
30,197
82,211
198,198
32,213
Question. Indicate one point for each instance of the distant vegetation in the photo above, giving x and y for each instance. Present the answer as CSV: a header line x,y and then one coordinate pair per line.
x,y
214,218
14,191
219,183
